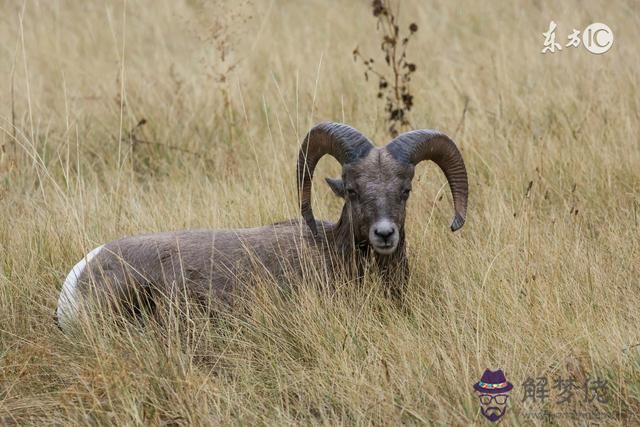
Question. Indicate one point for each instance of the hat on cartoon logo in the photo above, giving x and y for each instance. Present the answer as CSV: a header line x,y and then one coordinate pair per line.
x,y
492,390
493,382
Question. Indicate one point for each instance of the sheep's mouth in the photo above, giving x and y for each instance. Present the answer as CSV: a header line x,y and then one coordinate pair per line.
x,y
384,248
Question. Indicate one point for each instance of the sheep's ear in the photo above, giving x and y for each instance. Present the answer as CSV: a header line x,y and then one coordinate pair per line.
x,y
337,186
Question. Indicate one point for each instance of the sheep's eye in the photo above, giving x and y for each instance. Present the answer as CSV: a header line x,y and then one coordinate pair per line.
x,y
353,194
406,192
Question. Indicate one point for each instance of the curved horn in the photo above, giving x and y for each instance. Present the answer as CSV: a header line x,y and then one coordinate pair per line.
x,y
418,145
342,142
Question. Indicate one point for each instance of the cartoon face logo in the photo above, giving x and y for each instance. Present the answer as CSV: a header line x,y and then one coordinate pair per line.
x,y
493,392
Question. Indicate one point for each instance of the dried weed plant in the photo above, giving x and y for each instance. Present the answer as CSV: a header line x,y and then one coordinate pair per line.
x,y
394,76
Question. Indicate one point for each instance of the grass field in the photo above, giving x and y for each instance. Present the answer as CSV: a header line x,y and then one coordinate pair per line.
x,y
543,280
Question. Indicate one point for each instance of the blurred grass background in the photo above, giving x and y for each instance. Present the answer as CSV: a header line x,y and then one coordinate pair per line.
x,y
543,280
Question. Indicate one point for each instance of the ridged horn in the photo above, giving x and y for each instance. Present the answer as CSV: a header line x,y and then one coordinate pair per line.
x,y
340,141
418,145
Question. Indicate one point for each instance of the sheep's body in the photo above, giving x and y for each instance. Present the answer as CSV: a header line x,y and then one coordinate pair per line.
x,y
210,265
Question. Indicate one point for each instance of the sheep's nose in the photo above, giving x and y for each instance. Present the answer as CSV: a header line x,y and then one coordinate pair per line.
x,y
384,231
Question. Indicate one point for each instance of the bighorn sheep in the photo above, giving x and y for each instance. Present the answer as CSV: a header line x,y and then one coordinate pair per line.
x,y
375,186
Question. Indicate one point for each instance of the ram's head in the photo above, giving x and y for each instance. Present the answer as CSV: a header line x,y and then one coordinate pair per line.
x,y
376,182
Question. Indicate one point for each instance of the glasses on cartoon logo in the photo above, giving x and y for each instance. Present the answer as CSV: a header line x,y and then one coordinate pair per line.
x,y
492,392
500,399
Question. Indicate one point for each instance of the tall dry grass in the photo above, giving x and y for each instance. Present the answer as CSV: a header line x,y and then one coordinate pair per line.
x,y
542,281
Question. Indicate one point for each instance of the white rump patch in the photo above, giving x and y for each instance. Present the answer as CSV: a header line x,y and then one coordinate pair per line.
x,y
68,302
